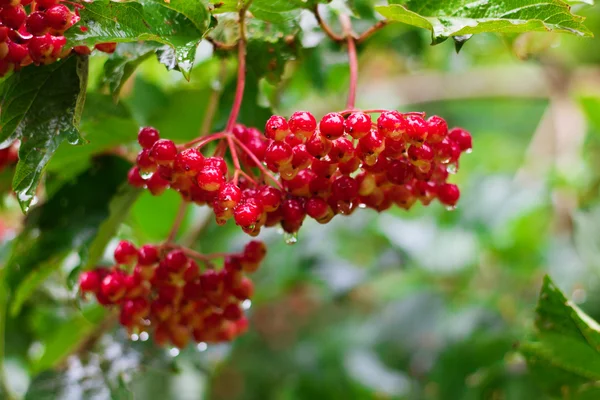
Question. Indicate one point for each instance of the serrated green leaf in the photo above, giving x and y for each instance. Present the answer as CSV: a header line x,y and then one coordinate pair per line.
x,y
69,221
123,62
467,17
179,24
566,344
42,107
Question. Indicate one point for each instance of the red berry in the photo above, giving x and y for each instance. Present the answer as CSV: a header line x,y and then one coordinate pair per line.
x,y
216,162
358,124
318,208
392,125
332,126
175,261
156,184
254,251
59,17
229,195
125,253
16,53
233,312
108,47
189,162
270,198
301,157
277,128
163,152
342,150
13,17
318,145
113,286
278,154
323,168
421,156
462,137
372,143
248,213
148,255
399,172
45,4
438,129
89,281
448,194
36,23
302,124
244,289
344,189
135,179
210,179
147,136
45,49
417,129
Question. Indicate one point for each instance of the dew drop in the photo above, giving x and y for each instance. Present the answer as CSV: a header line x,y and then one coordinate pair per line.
x,y
134,337
469,151
173,351
450,208
246,304
202,346
452,168
290,238
144,336
362,205
146,175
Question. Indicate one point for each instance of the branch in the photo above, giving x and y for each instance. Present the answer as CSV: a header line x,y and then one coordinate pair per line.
x,y
332,35
375,28
178,221
241,77
352,60
219,45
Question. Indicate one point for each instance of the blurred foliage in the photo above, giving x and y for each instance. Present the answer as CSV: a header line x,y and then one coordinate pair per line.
x,y
429,304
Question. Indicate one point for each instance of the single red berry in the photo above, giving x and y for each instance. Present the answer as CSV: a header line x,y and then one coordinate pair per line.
x,y
17,53
244,289
317,208
350,166
45,4
448,194
255,251
216,162
462,137
135,179
367,183
301,157
148,255
163,152
145,162
13,17
189,162
278,154
229,195
420,157
342,150
210,179
89,281
233,263
233,312
108,47
42,48
372,143
344,189
59,17
439,173
257,146
302,124
113,286
156,184
277,128
248,212
125,253
36,23
147,136
293,214
417,129
270,198
438,129
444,150
358,124
332,126
318,145
399,172
392,125
210,280
324,168
176,261
83,50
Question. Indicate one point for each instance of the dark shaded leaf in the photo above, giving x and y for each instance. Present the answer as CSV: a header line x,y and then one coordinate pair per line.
x,y
41,107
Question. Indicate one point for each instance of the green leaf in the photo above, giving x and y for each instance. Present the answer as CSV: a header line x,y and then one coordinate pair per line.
x,y
467,17
69,221
179,24
123,62
567,342
41,106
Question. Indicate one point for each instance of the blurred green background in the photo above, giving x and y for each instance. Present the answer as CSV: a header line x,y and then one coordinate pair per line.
x,y
429,304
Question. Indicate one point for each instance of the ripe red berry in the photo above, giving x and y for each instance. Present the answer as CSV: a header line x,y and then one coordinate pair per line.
x,y
125,253
148,255
438,129
89,281
45,49
344,189
318,145
254,251
317,208
358,124
135,179
229,195
36,23
421,157
277,128
248,212
175,261
417,129
278,154
163,152
372,143
16,53
448,194
189,162
108,47
13,17
233,312
45,4
301,157
147,136
59,17
342,150
216,162
210,179
156,184
462,137
332,126
113,286
270,198
399,172
392,125
302,124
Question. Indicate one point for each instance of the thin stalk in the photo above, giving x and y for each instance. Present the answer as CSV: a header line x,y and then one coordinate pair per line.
x,y
256,161
241,75
178,221
352,60
366,34
328,31
213,101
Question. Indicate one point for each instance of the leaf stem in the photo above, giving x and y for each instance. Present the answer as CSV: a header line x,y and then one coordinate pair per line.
x,y
352,60
178,221
241,75
328,31
219,45
366,34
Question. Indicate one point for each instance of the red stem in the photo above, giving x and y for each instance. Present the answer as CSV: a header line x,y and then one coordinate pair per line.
x,y
178,221
346,112
201,141
352,59
256,161
241,76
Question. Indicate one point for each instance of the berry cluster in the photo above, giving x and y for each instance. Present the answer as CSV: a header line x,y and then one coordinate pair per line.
x,y
344,162
166,292
32,32
9,156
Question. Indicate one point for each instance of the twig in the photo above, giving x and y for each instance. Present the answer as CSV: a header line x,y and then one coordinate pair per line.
x,y
352,60
256,161
241,76
332,35
177,222
219,45
366,34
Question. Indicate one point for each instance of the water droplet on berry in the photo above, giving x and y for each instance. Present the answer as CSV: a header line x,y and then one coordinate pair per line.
x,y
146,175
173,351
134,337
144,336
450,208
452,168
202,346
290,238
469,151
362,205
246,304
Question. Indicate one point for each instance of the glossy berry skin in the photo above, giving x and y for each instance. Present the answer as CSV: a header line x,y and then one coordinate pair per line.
x,y
279,154
332,126
392,125
108,47
462,137
317,208
176,261
13,17
156,184
147,255
342,150
417,130
135,179
125,253
248,213
437,129
254,251
113,286
318,145
344,189
448,194
229,195
210,179
59,17
163,152
36,23
277,128
358,124
189,162
302,124
147,136
89,281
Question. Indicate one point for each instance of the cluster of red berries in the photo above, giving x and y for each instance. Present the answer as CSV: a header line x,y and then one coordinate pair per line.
x,y
166,293
9,156
32,32
323,169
